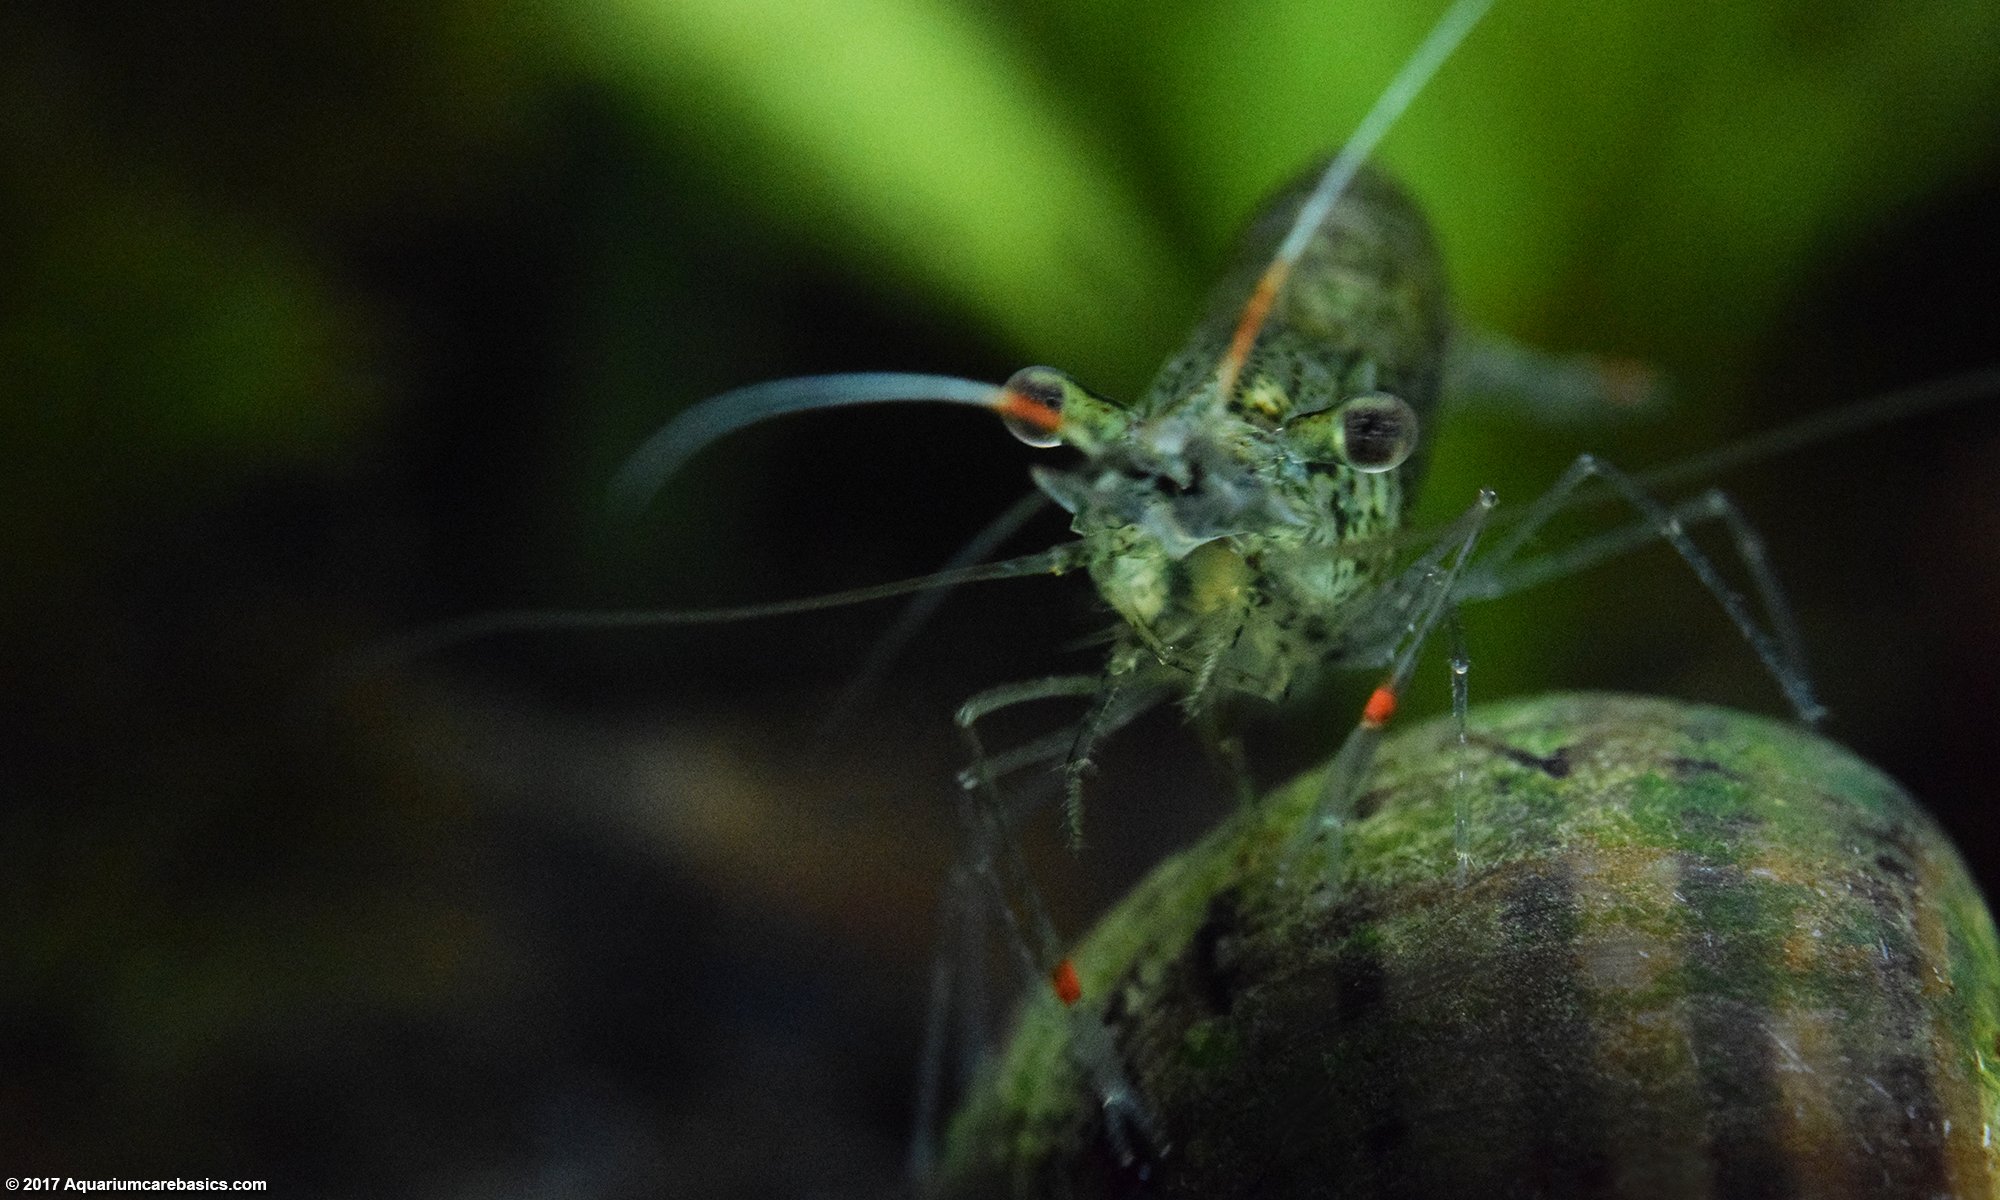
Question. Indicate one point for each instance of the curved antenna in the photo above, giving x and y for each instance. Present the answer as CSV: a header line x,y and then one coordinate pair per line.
x,y
1438,45
431,638
680,439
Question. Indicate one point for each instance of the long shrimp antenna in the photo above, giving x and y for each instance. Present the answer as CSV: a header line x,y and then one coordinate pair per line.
x,y
680,439
430,639
1903,404
1900,405
1444,38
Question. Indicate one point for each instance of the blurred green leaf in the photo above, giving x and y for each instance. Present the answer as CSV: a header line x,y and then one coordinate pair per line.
x,y
911,132
1677,163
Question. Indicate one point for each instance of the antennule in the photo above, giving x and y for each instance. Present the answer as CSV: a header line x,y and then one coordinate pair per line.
x,y
443,635
1438,45
680,439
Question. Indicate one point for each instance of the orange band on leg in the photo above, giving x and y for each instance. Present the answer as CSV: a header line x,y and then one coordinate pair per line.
x,y
1380,707
1069,989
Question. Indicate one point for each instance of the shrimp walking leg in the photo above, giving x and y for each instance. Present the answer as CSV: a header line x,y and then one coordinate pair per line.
x,y
1778,647
952,987
1461,795
990,851
1131,699
1417,600
1099,721
991,876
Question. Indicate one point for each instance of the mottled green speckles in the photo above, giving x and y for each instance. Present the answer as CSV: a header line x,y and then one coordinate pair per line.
x,y
1691,812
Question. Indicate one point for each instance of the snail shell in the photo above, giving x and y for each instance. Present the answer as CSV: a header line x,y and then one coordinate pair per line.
x,y
1696,953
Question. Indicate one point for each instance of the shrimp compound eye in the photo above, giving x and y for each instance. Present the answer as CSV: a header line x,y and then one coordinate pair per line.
x,y
1032,405
1376,432
1044,407
1371,433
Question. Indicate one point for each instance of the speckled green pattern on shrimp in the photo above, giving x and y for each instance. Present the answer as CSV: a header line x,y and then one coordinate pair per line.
x,y
1368,298
1222,517
1698,954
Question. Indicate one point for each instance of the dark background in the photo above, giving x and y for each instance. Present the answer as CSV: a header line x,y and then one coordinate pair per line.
x,y
316,326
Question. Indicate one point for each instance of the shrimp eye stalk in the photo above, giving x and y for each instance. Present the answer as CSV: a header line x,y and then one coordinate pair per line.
x,y
1371,433
1044,407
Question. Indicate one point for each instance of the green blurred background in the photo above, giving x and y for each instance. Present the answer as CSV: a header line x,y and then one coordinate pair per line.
x,y
317,324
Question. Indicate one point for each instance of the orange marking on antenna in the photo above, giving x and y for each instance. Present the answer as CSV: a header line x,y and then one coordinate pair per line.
x,y
1028,411
1380,707
1250,324
1069,989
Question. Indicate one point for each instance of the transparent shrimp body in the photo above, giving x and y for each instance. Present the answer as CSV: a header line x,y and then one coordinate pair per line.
x,y
1238,519
1233,524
